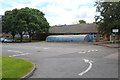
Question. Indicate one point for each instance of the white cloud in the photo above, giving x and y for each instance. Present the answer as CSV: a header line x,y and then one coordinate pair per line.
x,y
58,11
59,15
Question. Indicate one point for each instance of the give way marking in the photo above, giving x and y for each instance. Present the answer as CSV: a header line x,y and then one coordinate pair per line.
x,y
22,53
90,66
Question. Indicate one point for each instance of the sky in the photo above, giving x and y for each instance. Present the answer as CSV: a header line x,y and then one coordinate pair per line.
x,y
57,12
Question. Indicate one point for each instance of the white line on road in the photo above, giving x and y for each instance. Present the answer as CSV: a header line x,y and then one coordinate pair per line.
x,y
90,66
82,52
96,50
22,53
88,51
93,50
19,54
15,51
45,48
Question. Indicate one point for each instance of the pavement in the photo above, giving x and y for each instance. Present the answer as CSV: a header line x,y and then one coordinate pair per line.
x,y
66,60
115,45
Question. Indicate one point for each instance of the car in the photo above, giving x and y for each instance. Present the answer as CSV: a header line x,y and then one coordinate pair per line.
x,y
8,40
2,39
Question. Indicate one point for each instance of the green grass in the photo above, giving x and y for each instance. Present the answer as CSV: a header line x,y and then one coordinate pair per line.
x,y
15,68
31,41
17,39
0,67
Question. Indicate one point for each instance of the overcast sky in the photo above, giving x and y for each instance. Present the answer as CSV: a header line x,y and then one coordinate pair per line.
x,y
57,12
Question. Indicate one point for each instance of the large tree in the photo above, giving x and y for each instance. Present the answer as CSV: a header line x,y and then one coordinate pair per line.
x,y
8,25
25,20
109,17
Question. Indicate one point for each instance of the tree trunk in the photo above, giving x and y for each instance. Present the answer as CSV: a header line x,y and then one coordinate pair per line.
x,y
13,35
21,37
30,36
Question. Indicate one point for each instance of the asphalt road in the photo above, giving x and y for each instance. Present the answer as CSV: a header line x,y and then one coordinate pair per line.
x,y
66,60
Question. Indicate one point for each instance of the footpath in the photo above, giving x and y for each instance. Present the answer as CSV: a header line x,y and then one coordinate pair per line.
x,y
111,45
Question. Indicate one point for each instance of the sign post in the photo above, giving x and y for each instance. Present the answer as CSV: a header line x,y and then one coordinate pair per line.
x,y
115,31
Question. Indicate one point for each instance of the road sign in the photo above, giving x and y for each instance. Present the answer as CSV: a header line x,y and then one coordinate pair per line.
x,y
115,30
113,34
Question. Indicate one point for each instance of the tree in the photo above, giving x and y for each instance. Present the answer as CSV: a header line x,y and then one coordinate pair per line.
x,y
79,22
82,22
33,21
25,20
109,17
8,23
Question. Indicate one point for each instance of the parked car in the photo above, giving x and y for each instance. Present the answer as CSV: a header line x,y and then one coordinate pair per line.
x,y
2,39
8,40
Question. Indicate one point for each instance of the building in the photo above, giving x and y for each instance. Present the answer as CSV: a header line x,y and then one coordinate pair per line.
x,y
5,35
77,29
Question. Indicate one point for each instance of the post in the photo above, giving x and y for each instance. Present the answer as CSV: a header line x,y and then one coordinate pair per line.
x,y
115,31
115,37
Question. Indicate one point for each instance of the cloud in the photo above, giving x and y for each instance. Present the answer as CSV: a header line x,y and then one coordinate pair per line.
x,y
61,15
56,11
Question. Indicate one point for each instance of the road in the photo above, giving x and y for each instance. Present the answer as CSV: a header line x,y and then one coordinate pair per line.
x,y
66,60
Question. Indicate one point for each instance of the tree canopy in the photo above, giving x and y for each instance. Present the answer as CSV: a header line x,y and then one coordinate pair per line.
x,y
22,20
82,22
109,17
79,22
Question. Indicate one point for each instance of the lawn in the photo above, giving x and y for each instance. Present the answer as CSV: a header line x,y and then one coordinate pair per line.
x,y
15,68
17,39
0,67
31,41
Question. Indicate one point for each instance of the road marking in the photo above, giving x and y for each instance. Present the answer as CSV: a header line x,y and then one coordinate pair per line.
x,y
87,51
45,48
82,52
93,50
19,54
96,50
15,51
90,66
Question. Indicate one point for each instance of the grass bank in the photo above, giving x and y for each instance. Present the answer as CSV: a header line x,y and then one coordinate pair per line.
x,y
15,68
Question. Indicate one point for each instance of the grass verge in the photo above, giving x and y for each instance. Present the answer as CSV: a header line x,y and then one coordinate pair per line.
x,y
0,67
15,68
31,41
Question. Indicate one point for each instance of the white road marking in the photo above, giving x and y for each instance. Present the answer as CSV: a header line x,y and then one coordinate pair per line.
x,y
90,66
15,51
93,50
45,48
19,54
82,52
87,51
22,53
96,50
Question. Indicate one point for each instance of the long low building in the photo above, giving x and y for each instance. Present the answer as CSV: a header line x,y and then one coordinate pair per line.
x,y
76,29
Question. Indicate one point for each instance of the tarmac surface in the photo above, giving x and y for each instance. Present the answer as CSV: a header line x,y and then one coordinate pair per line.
x,y
66,60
